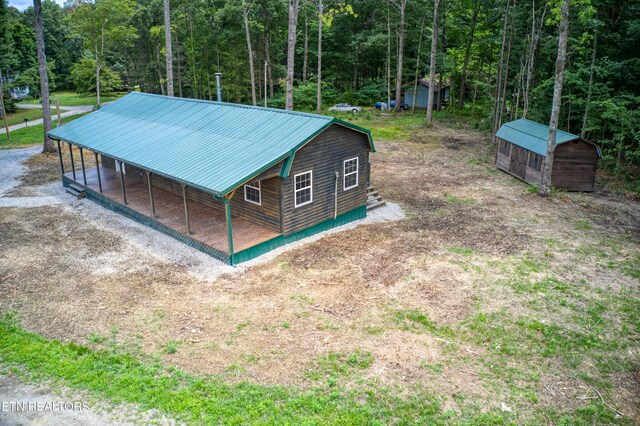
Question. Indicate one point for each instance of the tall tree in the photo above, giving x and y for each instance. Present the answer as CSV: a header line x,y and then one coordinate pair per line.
x,y
167,46
103,25
403,8
416,76
245,13
545,188
467,53
432,64
44,78
294,7
320,4
583,131
537,26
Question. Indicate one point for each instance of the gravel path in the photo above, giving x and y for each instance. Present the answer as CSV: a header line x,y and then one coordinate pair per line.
x,y
11,168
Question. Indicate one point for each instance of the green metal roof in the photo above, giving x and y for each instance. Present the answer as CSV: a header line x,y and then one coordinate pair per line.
x,y
214,146
533,136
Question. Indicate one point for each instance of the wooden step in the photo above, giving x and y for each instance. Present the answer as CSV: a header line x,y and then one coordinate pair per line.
x,y
374,199
77,187
75,192
380,203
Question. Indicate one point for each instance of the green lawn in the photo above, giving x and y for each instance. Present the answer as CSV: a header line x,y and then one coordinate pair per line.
x,y
74,99
21,114
30,135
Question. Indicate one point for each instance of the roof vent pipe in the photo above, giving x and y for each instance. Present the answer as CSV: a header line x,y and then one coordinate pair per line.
x,y
218,88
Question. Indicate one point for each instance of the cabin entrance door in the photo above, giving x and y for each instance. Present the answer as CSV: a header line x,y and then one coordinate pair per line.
x,y
518,165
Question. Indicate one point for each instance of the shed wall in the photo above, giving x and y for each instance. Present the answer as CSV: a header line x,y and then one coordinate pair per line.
x,y
574,166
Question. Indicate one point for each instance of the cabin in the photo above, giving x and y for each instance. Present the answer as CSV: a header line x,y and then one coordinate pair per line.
x,y
522,148
441,94
233,181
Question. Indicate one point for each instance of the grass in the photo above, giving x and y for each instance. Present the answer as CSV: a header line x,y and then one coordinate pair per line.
x,y
120,377
30,135
75,99
21,114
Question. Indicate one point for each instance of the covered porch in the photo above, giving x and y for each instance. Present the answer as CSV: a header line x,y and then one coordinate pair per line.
x,y
209,221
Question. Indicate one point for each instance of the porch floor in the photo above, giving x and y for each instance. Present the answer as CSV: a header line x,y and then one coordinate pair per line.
x,y
208,224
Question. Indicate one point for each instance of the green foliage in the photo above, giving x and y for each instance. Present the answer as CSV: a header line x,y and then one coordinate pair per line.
x,y
83,76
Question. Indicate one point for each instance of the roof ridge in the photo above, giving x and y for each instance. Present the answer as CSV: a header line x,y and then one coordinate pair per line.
x,y
254,107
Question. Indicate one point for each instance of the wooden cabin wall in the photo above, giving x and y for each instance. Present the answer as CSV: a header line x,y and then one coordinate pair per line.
x,y
268,213
324,156
502,160
574,166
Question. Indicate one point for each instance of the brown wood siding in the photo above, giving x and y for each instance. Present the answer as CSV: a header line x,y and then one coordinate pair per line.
x,y
574,166
108,162
324,156
268,213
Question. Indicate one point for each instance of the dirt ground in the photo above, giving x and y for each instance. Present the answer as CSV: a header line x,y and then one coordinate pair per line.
x,y
467,225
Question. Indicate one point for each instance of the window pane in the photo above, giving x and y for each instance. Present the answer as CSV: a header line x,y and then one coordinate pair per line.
x,y
350,181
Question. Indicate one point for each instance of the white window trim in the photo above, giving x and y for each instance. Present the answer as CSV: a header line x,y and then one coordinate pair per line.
x,y
344,174
258,188
295,190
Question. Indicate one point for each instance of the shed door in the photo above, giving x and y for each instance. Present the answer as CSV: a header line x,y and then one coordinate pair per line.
x,y
518,165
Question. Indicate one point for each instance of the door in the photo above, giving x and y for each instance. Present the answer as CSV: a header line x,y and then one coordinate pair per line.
x,y
518,165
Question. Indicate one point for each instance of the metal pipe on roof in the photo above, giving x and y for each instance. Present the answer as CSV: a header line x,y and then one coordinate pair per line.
x,y
218,88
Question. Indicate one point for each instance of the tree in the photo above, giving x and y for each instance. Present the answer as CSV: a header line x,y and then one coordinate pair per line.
x,y
467,54
545,188
583,132
83,76
320,5
168,49
294,7
103,25
44,80
245,13
403,7
432,64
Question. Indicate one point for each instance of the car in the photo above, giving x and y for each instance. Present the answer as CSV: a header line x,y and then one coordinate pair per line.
x,y
345,108
383,105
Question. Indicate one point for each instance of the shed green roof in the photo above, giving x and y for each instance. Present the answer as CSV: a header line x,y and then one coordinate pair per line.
x,y
214,146
533,136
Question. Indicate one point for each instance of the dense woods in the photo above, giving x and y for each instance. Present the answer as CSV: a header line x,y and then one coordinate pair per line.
x,y
498,56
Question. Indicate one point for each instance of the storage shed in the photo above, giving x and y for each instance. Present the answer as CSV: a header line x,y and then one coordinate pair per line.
x,y
233,181
522,148
440,94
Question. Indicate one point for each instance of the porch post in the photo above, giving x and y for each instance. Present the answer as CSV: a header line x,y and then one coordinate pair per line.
x,y
84,174
153,206
227,212
186,208
73,167
60,157
98,170
124,194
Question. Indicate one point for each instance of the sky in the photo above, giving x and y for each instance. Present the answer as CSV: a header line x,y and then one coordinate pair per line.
x,y
23,4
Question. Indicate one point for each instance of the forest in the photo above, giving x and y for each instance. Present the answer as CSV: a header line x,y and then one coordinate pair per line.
x,y
497,56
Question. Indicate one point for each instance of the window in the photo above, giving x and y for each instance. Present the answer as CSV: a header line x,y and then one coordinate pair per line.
x,y
252,193
504,147
303,188
535,161
350,176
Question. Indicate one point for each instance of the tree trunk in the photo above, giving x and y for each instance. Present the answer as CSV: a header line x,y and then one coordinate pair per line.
x,y
415,82
467,53
305,63
3,110
432,64
536,30
319,89
291,51
167,46
44,78
545,188
179,67
583,133
388,78
497,104
267,54
162,92
403,7
247,30
505,80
